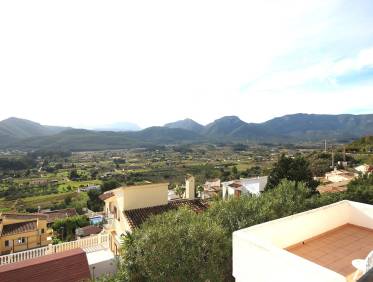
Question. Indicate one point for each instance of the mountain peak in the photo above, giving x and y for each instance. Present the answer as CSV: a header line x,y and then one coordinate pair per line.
x,y
187,124
23,128
224,125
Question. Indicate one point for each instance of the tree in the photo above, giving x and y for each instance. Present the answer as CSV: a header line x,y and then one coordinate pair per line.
x,y
73,175
361,189
177,246
295,169
180,190
94,203
109,185
68,200
235,172
237,213
66,227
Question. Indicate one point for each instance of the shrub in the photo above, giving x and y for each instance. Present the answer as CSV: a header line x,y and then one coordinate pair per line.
x,y
177,246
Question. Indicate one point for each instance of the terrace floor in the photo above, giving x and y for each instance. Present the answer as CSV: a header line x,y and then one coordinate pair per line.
x,y
337,248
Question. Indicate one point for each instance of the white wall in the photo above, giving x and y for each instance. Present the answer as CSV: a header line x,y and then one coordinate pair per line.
x,y
102,263
293,229
258,253
142,196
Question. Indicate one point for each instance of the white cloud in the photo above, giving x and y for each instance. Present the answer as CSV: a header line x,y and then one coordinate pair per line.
x,y
151,62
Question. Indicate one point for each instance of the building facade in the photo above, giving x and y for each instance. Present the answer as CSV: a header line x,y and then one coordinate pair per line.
x,y
128,207
20,232
236,188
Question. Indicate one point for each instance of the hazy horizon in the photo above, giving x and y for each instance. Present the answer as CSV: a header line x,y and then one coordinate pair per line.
x,y
87,64
118,124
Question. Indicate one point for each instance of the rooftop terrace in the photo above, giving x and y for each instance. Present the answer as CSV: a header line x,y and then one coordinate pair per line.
x,y
316,245
336,249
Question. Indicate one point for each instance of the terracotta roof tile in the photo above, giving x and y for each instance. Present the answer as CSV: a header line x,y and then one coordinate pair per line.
x,y
88,230
23,215
52,216
19,227
69,266
137,216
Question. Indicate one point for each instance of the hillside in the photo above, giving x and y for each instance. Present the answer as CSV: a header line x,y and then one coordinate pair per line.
x,y
318,127
363,145
292,128
223,126
17,128
298,128
85,140
187,124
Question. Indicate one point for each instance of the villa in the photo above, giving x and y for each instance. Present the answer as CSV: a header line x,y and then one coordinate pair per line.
x,y
315,245
236,188
20,232
126,208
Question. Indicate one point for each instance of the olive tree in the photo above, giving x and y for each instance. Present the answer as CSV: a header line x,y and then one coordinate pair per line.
x,y
179,245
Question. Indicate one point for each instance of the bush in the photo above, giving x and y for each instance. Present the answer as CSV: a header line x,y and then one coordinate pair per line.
x,y
361,189
66,227
237,213
177,246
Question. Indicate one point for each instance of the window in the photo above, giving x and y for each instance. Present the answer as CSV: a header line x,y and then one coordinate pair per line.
x,y
7,243
21,240
42,231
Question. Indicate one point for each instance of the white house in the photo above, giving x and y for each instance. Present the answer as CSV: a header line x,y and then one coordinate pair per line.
x,y
363,169
244,186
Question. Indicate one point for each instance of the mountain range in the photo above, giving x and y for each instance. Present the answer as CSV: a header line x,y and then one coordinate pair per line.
x,y
298,128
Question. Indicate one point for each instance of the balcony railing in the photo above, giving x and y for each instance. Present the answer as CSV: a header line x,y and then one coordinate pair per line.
x,y
89,244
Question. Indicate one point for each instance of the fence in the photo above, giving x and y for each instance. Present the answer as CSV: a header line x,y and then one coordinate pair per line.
x,y
88,244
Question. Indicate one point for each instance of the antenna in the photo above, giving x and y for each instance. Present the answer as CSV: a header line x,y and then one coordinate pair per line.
x,y
325,147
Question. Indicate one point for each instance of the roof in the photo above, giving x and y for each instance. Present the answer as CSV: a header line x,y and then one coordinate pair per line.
x,y
69,266
52,216
19,227
136,217
88,230
235,185
23,215
106,196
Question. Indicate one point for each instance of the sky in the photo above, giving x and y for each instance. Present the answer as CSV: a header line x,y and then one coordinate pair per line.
x,y
90,63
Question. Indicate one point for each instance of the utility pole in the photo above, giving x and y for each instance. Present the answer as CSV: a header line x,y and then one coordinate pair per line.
x,y
332,157
344,153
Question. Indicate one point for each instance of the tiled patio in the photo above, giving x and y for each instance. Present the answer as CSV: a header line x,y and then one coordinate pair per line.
x,y
337,248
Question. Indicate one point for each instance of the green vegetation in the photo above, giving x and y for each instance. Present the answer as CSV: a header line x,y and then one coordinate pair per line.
x,y
296,169
320,162
66,227
193,245
184,246
27,135
362,145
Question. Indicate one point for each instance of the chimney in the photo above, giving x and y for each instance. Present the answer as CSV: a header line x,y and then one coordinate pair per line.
x,y
190,187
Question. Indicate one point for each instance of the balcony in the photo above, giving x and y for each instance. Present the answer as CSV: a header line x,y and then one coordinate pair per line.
x,y
109,222
99,256
316,245
89,244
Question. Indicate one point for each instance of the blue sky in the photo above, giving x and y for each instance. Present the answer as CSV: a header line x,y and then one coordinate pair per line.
x,y
90,63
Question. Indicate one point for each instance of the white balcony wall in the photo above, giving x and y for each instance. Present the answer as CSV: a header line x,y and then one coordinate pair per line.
x,y
258,253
